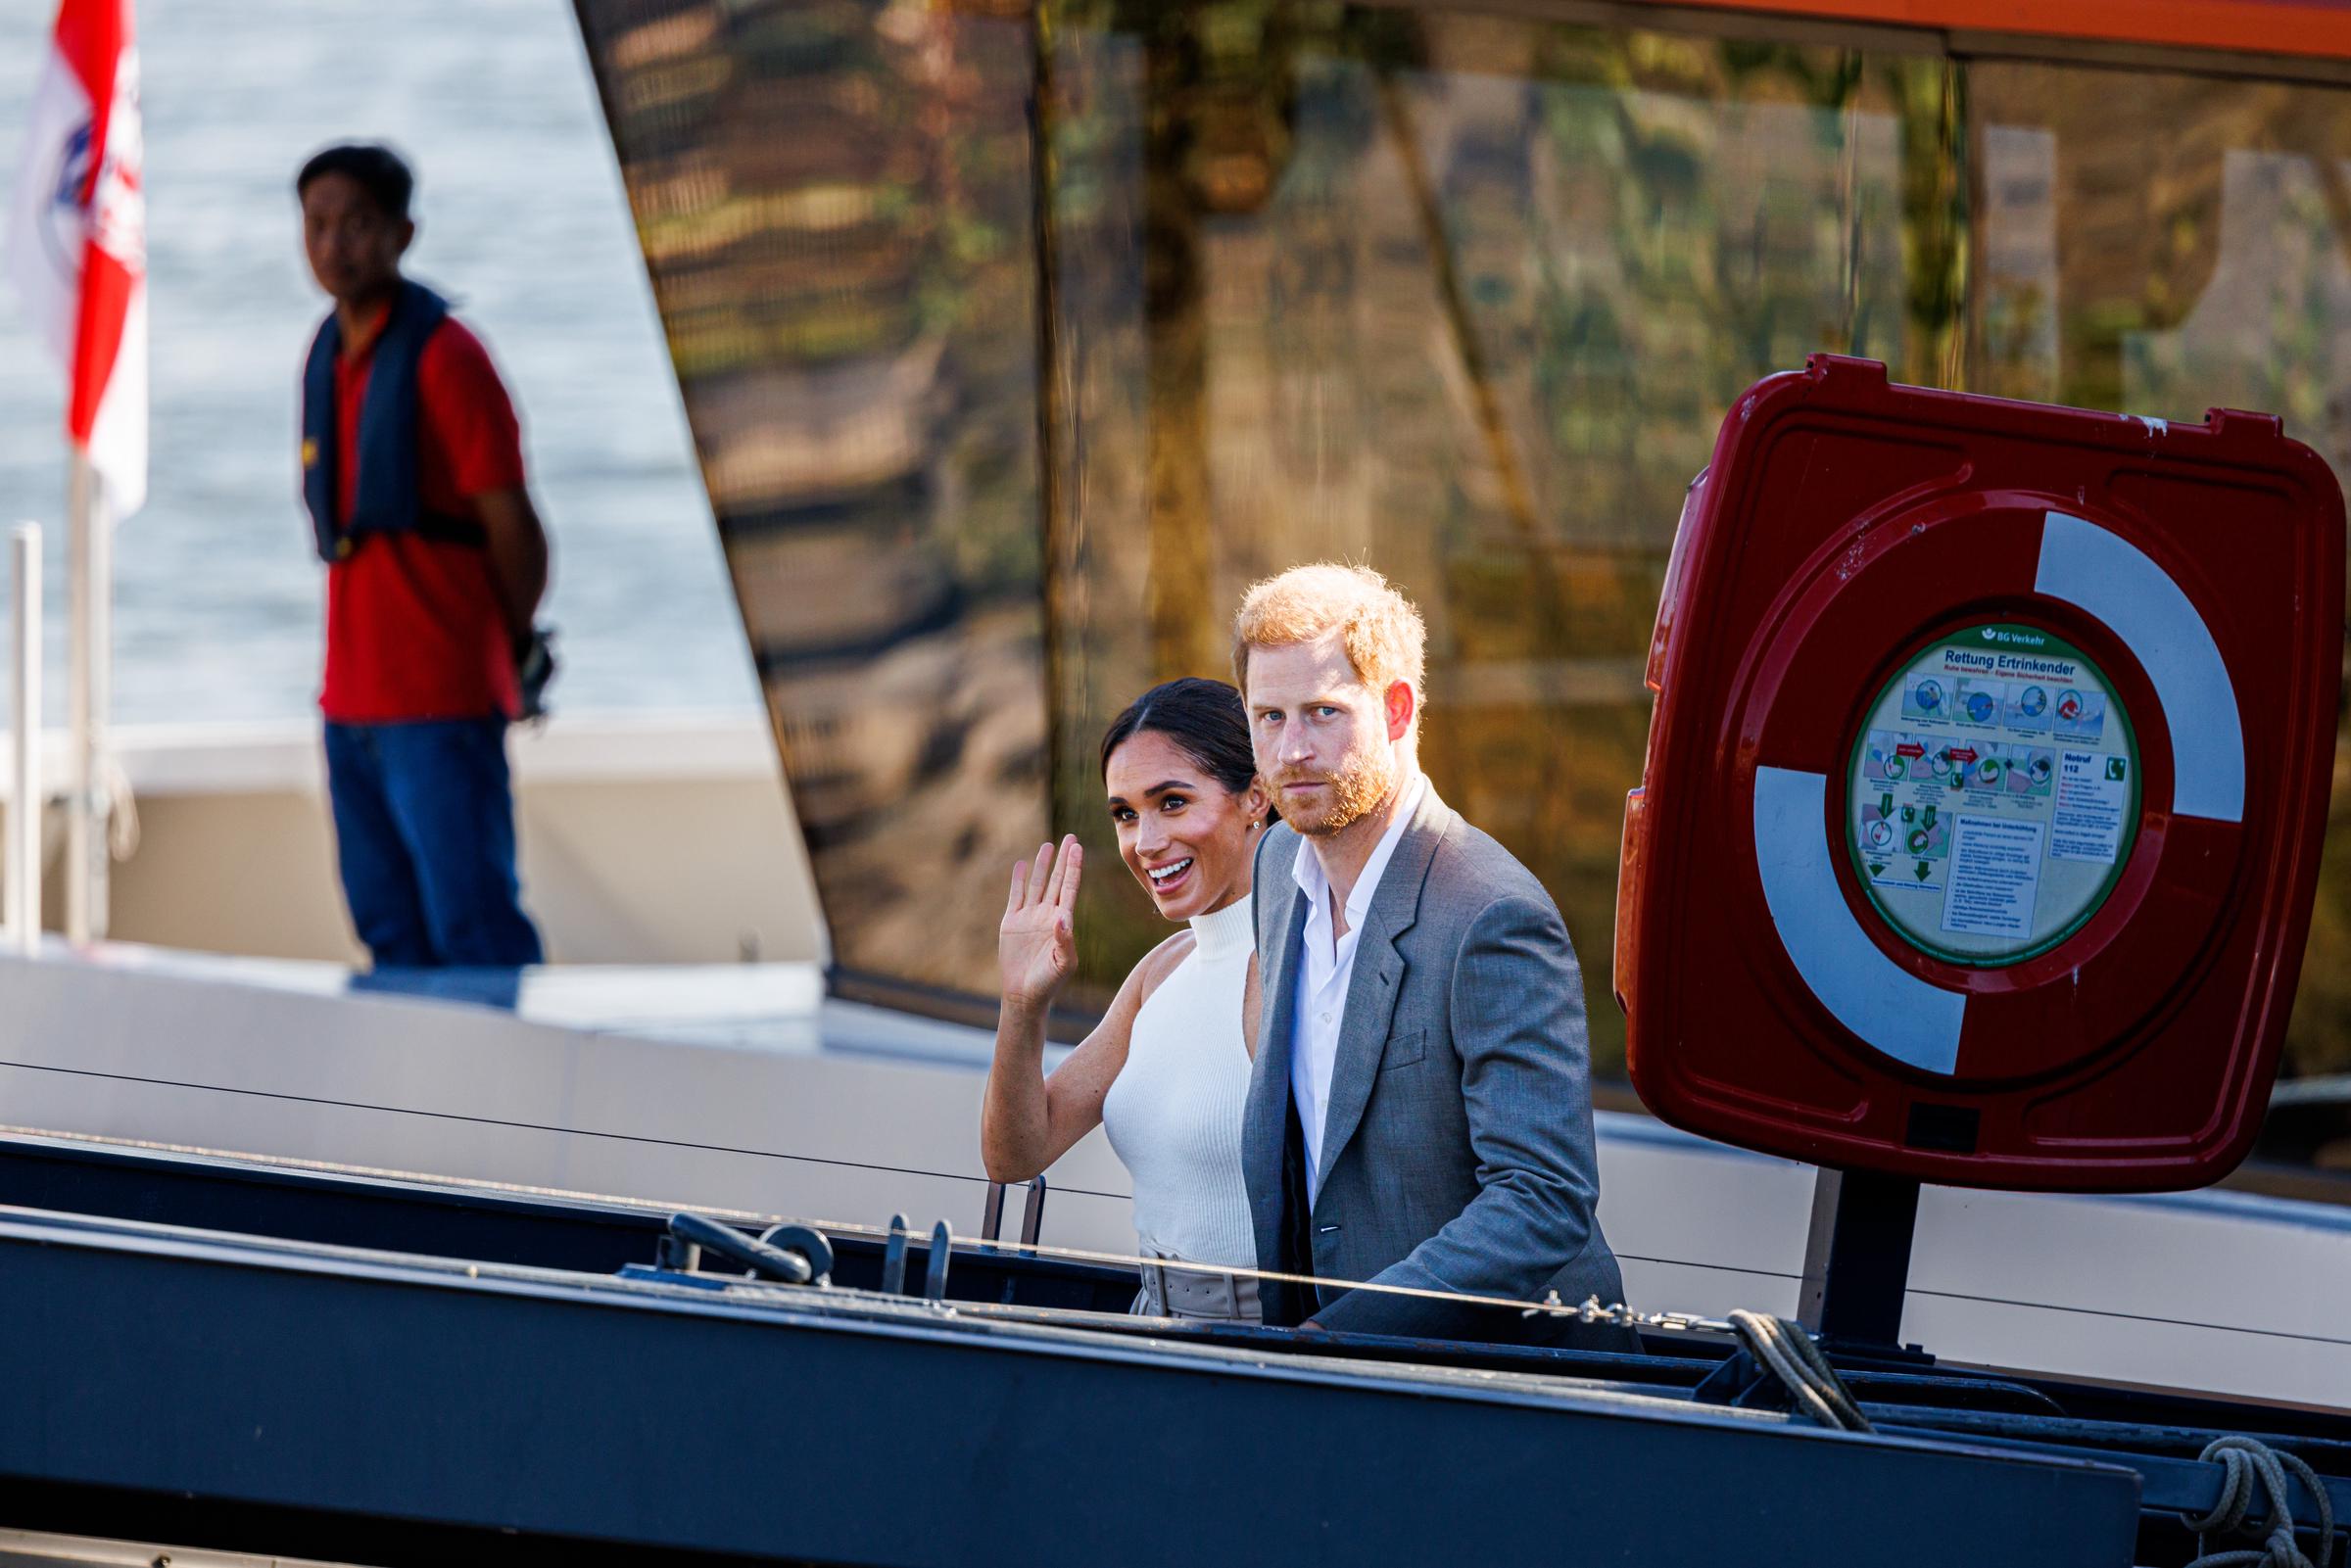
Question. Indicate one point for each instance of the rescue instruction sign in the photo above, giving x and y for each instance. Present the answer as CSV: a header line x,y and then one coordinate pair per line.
x,y
2093,795
1993,794
1996,876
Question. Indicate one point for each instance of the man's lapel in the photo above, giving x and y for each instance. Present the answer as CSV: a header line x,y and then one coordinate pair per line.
x,y
1378,977
1281,929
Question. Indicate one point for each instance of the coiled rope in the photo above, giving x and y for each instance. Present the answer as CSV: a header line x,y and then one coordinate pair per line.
x,y
2245,1463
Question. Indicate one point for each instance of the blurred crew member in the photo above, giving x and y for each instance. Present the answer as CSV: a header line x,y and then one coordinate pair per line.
x,y
411,468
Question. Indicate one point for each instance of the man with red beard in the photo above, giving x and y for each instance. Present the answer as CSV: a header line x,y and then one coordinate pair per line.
x,y
1419,1111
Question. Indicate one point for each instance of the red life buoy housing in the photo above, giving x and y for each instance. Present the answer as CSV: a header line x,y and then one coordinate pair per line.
x,y
1987,779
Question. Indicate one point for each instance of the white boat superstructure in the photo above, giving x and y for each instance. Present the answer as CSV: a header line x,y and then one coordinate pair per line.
x,y
645,838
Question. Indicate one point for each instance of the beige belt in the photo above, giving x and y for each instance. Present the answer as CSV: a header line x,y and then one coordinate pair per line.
x,y
1172,1288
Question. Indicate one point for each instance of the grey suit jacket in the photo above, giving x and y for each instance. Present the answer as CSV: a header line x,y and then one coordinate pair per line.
x,y
1457,1147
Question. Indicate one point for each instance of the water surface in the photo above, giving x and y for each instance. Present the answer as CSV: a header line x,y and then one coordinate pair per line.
x,y
522,220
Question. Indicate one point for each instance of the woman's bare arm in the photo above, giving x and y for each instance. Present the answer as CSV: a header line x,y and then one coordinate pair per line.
x,y
1027,1121
1253,998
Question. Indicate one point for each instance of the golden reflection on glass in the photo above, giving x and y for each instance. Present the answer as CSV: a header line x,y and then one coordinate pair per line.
x,y
2164,243
1463,297
834,204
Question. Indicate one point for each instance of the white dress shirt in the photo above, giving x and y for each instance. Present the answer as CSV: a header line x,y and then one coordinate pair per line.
x,y
1327,968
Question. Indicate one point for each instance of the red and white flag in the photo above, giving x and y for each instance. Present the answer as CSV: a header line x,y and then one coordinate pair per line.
x,y
78,237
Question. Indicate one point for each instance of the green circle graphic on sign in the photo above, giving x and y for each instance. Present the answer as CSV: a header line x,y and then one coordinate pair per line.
x,y
1993,794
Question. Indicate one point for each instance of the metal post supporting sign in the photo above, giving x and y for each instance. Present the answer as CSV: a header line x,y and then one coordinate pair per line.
x,y
1858,1258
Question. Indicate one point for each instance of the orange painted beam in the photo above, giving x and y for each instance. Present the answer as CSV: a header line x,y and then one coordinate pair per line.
x,y
2318,29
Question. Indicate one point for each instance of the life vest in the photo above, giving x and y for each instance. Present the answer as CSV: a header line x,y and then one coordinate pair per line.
x,y
385,498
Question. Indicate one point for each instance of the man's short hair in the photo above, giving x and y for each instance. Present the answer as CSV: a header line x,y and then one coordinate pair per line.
x,y
1381,631
377,170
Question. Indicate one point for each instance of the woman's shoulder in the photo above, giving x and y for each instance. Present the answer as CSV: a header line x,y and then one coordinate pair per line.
x,y
1160,962
1148,974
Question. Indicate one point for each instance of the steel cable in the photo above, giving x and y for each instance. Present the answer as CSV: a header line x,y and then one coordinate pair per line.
x,y
1787,1352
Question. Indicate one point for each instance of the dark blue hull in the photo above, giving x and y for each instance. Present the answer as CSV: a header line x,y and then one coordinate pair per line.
x,y
226,1391
342,1366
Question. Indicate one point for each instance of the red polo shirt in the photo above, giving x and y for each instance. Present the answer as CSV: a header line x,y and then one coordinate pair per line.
x,y
412,624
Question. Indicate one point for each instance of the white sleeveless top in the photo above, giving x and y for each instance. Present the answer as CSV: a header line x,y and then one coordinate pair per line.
x,y
1174,1113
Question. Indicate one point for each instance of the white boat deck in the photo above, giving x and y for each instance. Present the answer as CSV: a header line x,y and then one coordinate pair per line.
x,y
736,1086
742,1087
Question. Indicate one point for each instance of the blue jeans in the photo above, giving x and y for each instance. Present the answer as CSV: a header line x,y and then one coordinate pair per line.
x,y
424,834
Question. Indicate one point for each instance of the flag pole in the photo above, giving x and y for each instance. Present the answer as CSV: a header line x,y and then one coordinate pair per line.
x,y
90,574
25,802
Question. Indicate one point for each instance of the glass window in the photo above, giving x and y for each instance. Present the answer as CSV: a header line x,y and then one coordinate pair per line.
x,y
834,202
2167,243
1463,297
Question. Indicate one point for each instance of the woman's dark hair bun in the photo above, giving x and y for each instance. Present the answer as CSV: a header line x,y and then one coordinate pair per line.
x,y
1205,718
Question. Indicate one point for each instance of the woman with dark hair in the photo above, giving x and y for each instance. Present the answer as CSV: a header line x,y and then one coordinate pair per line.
x,y
1167,1071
